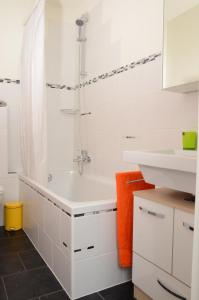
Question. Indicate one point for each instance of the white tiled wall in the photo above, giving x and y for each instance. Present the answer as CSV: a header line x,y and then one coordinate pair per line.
x,y
132,103
12,17
9,142
11,94
3,141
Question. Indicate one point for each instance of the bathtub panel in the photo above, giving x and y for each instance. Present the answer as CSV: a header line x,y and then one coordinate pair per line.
x,y
108,237
39,206
52,222
92,275
65,230
86,231
23,197
32,231
62,268
126,274
86,253
30,224
33,200
45,247
80,273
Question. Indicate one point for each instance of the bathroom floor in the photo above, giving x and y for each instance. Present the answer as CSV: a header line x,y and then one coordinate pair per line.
x,y
25,276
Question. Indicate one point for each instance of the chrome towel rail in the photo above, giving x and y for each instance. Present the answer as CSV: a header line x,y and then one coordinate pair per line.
x,y
133,181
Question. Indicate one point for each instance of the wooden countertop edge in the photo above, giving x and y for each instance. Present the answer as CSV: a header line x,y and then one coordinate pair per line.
x,y
168,197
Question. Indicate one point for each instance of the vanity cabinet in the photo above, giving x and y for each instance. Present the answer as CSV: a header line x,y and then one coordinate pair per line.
x,y
162,244
183,246
153,232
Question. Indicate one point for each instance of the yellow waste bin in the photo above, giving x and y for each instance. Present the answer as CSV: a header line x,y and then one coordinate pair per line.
x,y
13,216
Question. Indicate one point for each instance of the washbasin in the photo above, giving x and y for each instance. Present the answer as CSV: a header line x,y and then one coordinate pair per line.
x,y
174,169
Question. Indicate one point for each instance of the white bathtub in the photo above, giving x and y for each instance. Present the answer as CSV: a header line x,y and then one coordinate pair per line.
x,y
73,226
76,188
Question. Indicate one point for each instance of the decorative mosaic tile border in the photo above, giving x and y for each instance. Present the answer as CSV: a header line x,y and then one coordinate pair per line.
x,y
96,79
120,70
8,80
61,86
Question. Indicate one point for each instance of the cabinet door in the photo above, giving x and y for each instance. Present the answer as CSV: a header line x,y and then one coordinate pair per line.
x,y
183,246
153,232
156,283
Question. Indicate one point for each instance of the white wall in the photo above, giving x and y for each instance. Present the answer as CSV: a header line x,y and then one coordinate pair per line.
x,y
13,13
131,103
12,16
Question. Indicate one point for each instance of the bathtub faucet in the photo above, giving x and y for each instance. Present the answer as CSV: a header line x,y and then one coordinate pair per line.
x,y
81,159
84,157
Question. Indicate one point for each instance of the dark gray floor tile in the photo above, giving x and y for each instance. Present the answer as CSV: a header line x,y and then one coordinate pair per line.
x,y
119,292
31,284
3,233
2,291
56,296
91,297
31,259
16,233
17,244
10,264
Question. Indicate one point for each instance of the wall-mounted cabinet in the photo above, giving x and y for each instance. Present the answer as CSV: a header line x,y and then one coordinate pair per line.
x,y
181,45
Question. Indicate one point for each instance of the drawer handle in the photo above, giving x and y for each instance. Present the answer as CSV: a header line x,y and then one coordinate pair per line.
x,y
169,291
187,226
152,213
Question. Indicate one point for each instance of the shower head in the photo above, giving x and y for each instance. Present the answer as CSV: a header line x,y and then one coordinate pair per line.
x,y
79,22
82,21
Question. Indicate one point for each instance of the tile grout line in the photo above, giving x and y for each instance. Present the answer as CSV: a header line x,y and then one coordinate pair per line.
x,y
28,250
101,296
21,272
37,268
12,274
4,287
21,261
48,294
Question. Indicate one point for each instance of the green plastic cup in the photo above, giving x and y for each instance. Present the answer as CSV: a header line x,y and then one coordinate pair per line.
x,y
189,140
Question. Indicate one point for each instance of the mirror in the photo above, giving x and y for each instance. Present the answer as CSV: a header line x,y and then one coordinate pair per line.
x,y
181,45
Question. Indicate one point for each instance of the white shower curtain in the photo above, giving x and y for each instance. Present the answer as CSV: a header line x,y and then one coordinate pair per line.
x,y
33,129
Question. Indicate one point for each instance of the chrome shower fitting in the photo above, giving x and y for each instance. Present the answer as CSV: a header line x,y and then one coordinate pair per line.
x,y
81,160
50,177
84,157
85,114
81,24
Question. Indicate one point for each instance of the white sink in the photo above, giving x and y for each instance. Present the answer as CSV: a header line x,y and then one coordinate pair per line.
x,y
174,169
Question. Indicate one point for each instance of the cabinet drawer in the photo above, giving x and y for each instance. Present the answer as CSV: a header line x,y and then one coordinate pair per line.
x,y
156,283
183,246
153,232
